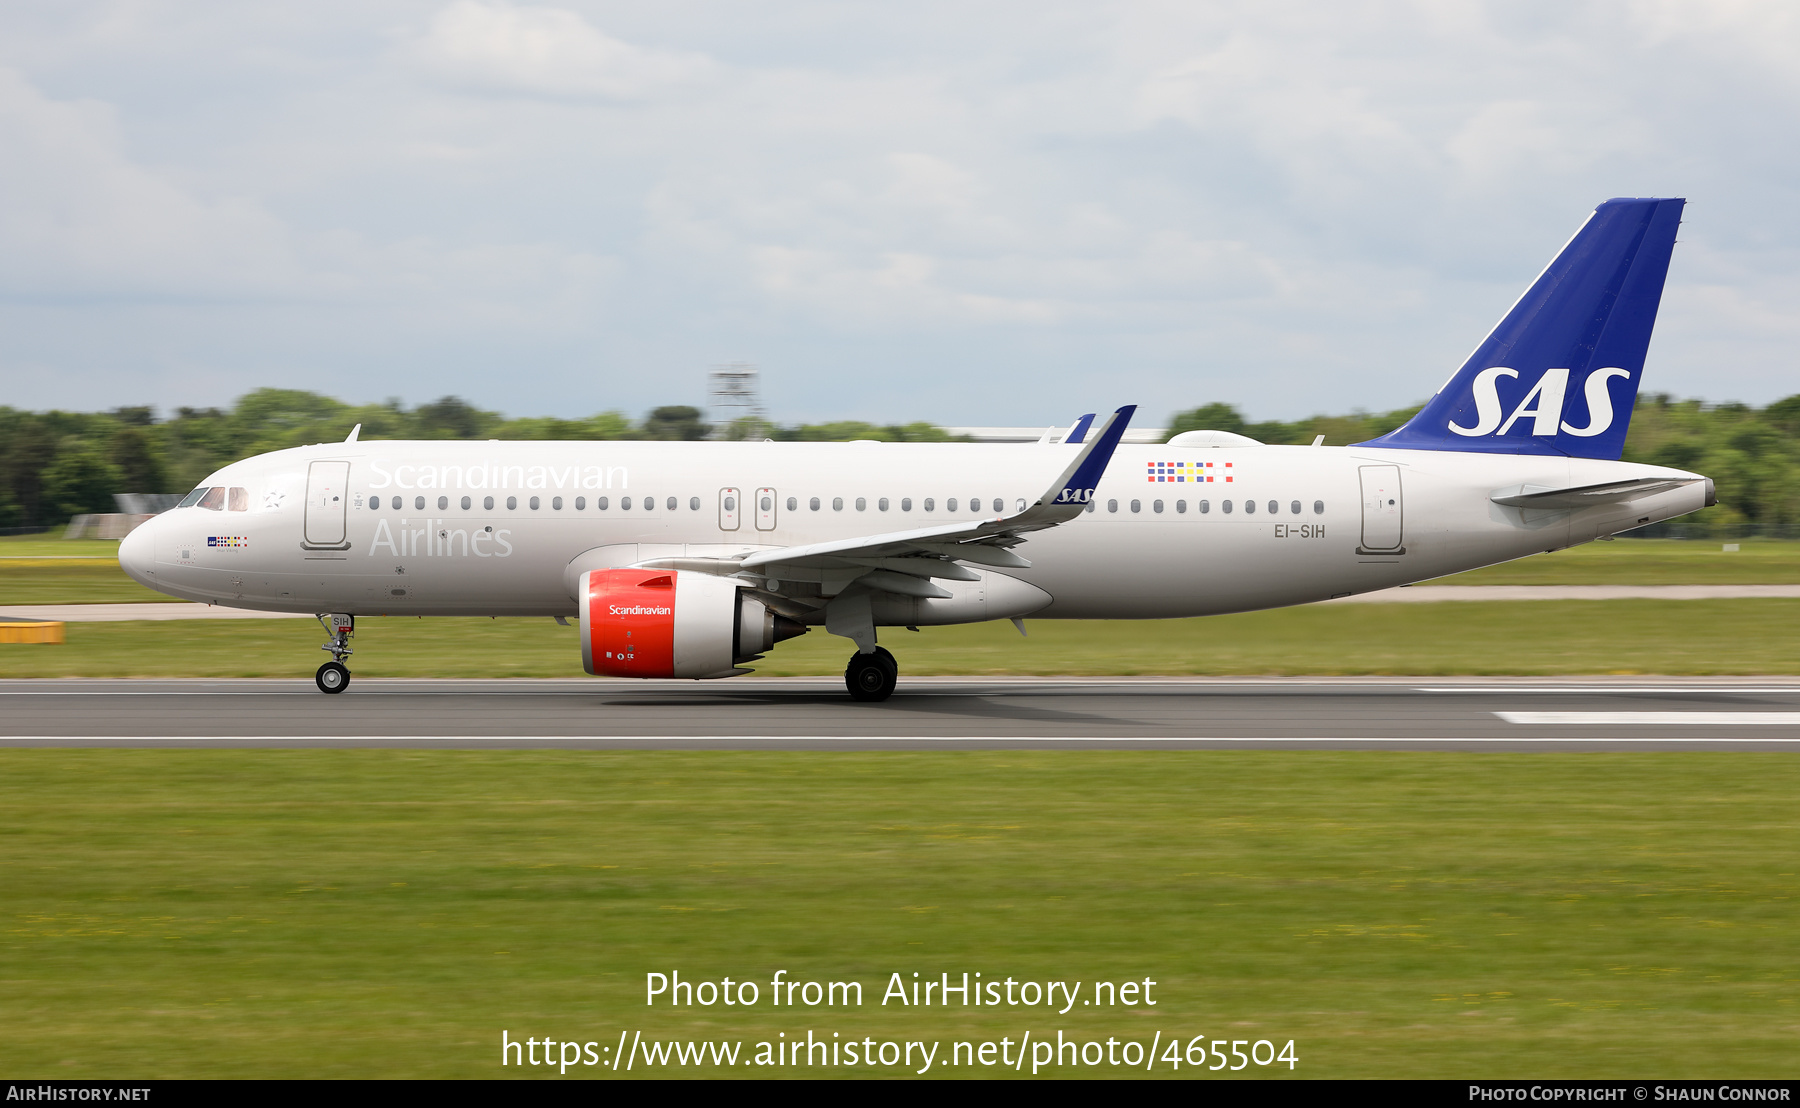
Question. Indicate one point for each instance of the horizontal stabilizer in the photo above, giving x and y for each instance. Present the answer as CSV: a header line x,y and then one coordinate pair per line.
x,y
1587,496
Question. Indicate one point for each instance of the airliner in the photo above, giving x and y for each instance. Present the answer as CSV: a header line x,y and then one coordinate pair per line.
x,y
694,559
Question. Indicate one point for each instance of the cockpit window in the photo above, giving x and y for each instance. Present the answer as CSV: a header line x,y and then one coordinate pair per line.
x,y
214,500
192,498
240,500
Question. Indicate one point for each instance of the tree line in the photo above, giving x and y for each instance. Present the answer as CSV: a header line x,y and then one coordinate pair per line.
x,y
54,465
57,464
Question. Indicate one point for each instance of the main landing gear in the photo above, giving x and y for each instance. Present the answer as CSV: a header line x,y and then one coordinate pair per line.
x,y
871,677
334,676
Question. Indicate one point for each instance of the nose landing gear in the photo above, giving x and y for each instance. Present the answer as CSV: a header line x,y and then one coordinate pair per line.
x,y
333,676
871,677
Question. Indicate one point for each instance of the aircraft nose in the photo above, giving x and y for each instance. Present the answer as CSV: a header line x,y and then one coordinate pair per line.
x,y
137,554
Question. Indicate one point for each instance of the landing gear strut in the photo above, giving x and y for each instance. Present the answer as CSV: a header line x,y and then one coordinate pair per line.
x,y
871,677
334,676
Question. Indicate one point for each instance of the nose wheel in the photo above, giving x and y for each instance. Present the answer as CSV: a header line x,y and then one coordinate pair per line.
x,y
871,677
332,677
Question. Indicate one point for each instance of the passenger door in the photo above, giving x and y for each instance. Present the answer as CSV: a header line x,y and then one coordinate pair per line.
x,y
326,503
1383,509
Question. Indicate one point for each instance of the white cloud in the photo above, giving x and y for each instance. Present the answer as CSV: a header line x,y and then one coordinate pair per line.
x,y
1289,205
79,216
549,52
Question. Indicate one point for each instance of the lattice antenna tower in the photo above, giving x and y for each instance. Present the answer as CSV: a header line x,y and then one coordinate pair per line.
x,y
733,392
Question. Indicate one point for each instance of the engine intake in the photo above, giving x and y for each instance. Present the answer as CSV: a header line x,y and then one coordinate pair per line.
x,y
672,623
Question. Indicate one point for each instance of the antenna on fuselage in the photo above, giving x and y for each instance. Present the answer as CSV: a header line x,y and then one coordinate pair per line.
x,y
354,431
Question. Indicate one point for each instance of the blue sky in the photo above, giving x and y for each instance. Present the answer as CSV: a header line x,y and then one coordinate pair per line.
x,y
1005,213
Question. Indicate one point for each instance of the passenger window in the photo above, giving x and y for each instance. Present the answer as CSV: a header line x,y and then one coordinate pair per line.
x,y
600,503
487,503
214,500
1205,506
1112,505
862,504
466,502
534,503
1021,506
793,503
192,498
1318,507
1090,506
813,504
1294,507
930,504
580,503
1274,507
881,504
1137,505
556,503
240,500
649,504
1249,507
512,503
672,504
837,503
1225,506
906,503
1156,506
950,504
767,503
1181,507
443,503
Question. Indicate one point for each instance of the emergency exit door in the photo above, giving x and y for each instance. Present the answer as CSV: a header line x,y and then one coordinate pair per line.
x,y
728,509
327,500
765,509
1384,510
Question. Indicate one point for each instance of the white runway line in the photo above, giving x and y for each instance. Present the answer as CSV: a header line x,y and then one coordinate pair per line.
x,y
1621,689
1656,719
553,740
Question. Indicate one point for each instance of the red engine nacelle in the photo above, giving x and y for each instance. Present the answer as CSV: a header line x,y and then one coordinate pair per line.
x,y
669,623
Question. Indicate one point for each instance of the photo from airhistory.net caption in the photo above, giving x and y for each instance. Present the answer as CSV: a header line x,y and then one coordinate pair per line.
x,y
1038,1046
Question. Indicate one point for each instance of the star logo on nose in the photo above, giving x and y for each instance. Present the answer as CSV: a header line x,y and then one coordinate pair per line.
x,y
273,499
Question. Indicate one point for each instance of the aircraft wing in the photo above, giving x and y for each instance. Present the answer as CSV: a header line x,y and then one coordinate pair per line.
x,y
1587,496
904,562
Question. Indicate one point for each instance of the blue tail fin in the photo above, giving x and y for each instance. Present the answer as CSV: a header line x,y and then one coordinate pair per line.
x,y
1560,373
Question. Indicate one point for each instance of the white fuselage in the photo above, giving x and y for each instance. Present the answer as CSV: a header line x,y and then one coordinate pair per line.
x,y
1319,523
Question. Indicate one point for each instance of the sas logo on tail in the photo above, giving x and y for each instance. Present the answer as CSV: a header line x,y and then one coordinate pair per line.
x,y
1542,406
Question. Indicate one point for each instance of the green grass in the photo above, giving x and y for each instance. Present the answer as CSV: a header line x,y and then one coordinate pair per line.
x,y
1648,562
385,913
53,545
32,572
1488,637
69,581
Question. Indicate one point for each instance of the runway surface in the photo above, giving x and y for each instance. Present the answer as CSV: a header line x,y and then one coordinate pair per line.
x,y
1588,714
